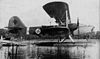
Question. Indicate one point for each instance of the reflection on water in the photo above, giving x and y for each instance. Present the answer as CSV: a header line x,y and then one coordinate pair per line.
x,y
85,51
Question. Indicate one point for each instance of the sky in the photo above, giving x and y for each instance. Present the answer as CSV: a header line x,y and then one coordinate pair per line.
x,y
32,13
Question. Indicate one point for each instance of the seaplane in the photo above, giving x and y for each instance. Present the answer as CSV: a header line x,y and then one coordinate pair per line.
x,y
52,34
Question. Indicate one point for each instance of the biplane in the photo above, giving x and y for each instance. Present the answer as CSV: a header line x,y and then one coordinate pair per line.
x,y
57,10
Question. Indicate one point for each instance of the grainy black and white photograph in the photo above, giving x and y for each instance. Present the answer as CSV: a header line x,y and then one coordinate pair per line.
x,y
49,29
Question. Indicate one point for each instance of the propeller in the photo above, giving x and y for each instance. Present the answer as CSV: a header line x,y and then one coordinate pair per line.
x,y
70,37
78,27
77,22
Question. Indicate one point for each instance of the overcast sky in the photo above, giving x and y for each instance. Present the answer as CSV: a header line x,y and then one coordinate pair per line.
x,y
32,13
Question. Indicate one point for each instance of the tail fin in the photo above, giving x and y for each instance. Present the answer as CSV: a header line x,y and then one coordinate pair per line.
x,y
15,22
15,25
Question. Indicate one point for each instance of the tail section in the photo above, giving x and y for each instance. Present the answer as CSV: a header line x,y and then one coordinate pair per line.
x,y
15,22
16,26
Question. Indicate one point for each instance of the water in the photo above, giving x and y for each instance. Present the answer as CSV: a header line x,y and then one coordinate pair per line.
x,y
71,51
